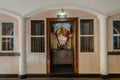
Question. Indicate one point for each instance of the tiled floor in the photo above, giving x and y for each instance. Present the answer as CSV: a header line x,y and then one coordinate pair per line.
x,y
59,79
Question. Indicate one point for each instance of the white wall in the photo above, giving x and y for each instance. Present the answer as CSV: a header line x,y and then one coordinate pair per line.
x,y
88,63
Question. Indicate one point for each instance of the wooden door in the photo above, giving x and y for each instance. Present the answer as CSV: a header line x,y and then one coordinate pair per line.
x,y
74,23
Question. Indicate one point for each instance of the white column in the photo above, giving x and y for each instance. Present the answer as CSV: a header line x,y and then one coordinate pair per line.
x,y
22,48
103,45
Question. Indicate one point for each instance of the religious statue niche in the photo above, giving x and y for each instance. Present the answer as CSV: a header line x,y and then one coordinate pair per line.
x,y
61,35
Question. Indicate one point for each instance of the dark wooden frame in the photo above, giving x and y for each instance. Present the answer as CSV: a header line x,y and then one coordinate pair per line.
x,y
75,21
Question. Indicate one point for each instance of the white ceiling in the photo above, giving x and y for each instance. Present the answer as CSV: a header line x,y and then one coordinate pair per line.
x,y
24,7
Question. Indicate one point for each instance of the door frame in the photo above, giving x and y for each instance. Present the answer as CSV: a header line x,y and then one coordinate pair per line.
x,y
75,21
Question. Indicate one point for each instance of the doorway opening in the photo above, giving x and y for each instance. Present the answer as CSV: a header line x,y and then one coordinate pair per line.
x,y
62,45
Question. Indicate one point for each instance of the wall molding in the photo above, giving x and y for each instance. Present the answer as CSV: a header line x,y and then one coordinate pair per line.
x,y
113,53
114,76
8,75
22,76
59,76
9,54
64,75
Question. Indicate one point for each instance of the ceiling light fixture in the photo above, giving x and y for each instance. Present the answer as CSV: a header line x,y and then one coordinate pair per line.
x,y
62,14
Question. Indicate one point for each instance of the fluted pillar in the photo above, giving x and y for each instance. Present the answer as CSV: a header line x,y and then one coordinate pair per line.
x,y
103,46
22,49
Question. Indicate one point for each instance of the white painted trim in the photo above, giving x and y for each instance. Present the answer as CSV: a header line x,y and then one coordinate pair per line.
x,y
94,35
29,37
0,35
12,14
7,36
118,19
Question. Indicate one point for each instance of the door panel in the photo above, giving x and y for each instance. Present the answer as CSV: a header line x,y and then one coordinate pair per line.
x,y
63,56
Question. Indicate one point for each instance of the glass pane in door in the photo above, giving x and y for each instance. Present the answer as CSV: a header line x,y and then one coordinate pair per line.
x,y
61,35
87,44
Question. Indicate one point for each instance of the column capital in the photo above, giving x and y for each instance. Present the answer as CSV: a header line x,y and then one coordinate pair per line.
x,y
103,17
22,18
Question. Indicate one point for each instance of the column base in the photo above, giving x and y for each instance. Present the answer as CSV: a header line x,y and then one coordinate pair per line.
x,y
22,76
104,76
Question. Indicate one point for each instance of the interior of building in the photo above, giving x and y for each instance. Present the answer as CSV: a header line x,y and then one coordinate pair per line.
x,y
59,38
